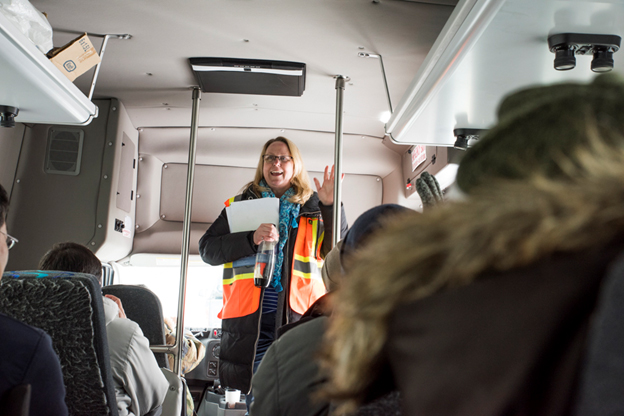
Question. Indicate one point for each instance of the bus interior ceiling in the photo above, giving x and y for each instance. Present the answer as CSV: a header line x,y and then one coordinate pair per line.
x,y
127,196
143,94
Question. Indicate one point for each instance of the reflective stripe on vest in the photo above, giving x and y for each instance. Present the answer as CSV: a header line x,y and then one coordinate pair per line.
x,y
240,296
229,201
306,283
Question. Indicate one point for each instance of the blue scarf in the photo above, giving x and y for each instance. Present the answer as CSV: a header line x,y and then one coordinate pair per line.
x,y
288,213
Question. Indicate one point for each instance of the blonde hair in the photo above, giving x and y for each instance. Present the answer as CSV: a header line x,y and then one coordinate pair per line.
x,y
300,181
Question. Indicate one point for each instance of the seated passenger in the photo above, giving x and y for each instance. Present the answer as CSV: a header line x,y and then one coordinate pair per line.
x,y
482,307
193,352
27,353
140,386
289,377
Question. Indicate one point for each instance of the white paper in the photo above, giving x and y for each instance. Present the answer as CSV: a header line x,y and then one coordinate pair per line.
x,y
248,215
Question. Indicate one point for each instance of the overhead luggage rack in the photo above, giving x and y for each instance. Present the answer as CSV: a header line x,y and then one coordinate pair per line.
x,y
32,84
249,76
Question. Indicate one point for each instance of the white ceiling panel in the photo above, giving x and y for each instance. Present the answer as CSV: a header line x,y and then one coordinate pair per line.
x,y
325,34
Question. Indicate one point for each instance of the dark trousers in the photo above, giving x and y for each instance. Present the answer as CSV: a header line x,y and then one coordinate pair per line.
x,y
266,338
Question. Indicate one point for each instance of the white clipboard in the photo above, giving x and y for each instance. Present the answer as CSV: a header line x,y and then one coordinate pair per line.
x,y
249,214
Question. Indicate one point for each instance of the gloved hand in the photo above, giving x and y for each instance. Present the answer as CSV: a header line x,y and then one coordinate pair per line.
x,y
429,190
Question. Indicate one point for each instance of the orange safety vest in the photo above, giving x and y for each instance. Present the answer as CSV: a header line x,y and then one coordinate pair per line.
x,y
241,297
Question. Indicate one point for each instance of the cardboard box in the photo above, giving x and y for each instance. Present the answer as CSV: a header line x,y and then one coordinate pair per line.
x,y
75,58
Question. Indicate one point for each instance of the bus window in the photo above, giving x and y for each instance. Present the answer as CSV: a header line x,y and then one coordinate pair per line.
x,y
161,274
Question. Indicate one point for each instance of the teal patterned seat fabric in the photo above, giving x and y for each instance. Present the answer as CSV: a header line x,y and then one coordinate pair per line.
x,y
68,306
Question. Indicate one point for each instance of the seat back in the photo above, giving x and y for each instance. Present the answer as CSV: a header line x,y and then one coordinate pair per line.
x,y
175,400
143,307
68,306
16,402
602,378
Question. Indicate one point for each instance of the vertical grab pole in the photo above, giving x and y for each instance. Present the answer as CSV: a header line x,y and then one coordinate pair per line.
x,y
186,233
340,87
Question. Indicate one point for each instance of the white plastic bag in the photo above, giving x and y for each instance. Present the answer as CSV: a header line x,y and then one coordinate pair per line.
x,y
29,21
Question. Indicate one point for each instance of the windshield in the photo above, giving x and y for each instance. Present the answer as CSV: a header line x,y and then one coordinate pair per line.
x,y
161,274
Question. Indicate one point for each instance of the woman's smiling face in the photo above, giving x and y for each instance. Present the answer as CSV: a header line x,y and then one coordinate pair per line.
x,y
278,174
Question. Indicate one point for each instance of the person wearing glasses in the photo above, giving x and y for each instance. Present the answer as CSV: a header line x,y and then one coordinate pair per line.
x,y
28,358
252,315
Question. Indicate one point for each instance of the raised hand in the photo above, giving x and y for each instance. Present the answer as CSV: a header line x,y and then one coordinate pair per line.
x,y
326,190
122,313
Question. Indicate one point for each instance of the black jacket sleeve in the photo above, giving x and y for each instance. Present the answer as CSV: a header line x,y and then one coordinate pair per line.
x,y
46,378
219,246
327,213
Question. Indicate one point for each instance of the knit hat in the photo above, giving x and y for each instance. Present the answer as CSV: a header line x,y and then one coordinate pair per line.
x,y
540,127
364,226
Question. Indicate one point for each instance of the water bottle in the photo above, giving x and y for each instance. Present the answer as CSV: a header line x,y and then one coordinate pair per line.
x,y
265,263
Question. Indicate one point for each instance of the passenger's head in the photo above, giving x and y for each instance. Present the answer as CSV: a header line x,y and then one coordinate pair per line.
x,y
337,261
364,227
544,131
72,257
282,175
4,248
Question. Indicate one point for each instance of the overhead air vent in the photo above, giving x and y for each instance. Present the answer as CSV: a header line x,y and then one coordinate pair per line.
x,y
64,151
249,76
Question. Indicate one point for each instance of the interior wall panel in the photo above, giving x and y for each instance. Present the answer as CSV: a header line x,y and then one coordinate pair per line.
x,y
44,207
116,222
212,187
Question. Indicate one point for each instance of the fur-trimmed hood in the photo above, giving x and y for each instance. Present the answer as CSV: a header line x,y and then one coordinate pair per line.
x,y
510,224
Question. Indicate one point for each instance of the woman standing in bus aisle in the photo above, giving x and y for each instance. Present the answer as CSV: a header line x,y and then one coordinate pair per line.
x,y
252,315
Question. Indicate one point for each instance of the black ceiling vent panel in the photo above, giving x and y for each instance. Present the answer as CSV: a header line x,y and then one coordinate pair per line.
x,y
249,76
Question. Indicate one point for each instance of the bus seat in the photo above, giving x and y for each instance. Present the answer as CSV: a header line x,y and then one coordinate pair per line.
x,y
602,378
16,402
143,307
68,306
175,400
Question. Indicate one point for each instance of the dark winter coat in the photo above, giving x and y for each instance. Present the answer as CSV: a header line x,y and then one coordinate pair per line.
x,y
510,343
482,307
289,377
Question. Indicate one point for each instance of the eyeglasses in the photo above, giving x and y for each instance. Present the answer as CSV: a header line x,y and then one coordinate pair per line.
x,y
10,241
273,158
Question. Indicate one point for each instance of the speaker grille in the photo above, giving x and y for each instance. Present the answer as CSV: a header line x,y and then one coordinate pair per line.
x,y
64,151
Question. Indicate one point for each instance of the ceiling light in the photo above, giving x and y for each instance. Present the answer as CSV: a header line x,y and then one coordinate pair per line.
x,y
249,76
564,58
461,143
7,115
603,60
566,45
385,116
